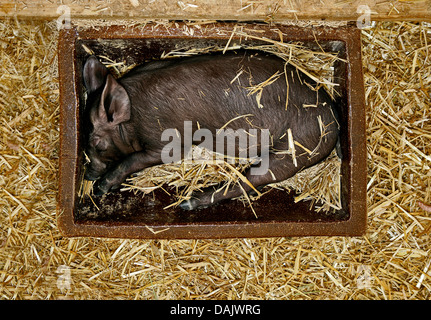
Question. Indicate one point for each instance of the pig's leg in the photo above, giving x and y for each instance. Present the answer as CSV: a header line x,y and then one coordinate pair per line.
x,y
280,168
133,163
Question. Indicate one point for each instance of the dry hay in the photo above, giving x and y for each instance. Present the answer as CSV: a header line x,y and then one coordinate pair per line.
x,y
390,262
320,184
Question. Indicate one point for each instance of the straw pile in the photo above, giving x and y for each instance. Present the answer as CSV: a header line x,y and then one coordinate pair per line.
x,y
392,261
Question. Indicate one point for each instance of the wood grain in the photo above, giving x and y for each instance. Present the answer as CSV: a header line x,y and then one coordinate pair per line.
x,y
269,10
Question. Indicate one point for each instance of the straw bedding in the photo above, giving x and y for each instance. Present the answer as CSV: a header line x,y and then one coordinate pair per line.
x,y
390,262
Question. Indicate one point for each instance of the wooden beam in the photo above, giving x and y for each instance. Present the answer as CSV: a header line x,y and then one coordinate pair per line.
x,y
268,10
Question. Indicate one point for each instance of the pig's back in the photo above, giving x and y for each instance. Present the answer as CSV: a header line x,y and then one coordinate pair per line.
x,y
214,89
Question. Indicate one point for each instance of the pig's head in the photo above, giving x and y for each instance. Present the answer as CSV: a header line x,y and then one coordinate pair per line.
x,y
107,108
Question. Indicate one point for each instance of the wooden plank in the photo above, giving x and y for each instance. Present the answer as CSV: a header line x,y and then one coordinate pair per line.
x,y
268,10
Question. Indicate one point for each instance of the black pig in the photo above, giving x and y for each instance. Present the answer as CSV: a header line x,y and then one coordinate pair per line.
x,y
127,116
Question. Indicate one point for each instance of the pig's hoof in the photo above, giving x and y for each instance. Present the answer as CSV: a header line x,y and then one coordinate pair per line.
x,y
98,192
193,204
188,205
98,189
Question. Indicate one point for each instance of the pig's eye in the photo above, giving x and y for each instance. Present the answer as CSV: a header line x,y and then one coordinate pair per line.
x,y
100,146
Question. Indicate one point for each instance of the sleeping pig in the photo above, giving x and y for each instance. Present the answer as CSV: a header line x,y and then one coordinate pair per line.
x,y
155,112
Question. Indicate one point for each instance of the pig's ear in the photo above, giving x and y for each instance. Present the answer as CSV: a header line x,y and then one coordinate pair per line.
x,y
115,101
94,74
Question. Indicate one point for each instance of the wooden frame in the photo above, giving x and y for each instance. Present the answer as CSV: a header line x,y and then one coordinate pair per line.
x,y
281,216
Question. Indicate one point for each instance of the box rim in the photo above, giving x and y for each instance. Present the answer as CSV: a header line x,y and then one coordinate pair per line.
x,y
355,225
